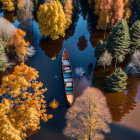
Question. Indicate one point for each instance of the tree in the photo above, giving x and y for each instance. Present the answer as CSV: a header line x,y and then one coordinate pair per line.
x,y
118,7
134,64
25,11
68,12
3,60
105,59
116,82
51,19
135,36
99,49
88,117
8,5
22,103
104,14
7,29
20,44
119,39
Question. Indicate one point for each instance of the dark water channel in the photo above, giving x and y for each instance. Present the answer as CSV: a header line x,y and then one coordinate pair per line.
x,y
47,61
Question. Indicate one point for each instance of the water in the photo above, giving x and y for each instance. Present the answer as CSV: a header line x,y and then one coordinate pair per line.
x,y
124,107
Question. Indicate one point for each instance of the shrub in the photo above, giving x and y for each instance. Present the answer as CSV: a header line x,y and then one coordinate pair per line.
x,y
105,59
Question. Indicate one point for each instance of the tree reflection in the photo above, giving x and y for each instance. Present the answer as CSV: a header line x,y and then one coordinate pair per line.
x,y
84,8
10,16
96,36
88,117
51,47
120,103
82,43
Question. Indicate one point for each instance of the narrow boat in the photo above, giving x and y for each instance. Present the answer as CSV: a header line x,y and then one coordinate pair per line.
x,y
68,78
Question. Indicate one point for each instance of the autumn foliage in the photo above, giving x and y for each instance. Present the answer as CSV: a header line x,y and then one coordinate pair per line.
x,y
68,12
118,7
51,19
8,5
103,9
22,103
19,43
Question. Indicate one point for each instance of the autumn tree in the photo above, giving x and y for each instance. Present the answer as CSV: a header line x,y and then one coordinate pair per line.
x,y
127,9
68,12
88,117
51,19
119,39
117,81
105,59
25,11
104,12
20,44
7,29
8,5
118,7
135,36
22,103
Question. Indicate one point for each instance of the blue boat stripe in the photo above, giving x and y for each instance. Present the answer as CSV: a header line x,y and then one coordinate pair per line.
x,y
69,92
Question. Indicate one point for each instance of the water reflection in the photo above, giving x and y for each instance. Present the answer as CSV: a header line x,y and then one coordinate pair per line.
x,y
10,16
89,116
82,43
51,47
121,103
96,36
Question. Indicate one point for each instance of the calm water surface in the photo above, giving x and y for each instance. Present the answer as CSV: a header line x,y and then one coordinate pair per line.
x,y
124,107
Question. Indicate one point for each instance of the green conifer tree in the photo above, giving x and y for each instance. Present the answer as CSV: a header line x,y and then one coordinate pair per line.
x,y
119,39
99,49
135,36
117,81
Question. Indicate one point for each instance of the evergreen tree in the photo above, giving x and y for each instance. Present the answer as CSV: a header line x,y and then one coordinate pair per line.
x,y
119,39
99,49
135,36
117,81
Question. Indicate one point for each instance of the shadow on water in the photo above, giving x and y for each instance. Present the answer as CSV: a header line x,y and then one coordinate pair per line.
x,y
120,103
120,132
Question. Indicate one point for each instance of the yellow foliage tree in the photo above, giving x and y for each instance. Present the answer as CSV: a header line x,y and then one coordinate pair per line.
x,y
20,44
8,5
22,105
68,12
51,19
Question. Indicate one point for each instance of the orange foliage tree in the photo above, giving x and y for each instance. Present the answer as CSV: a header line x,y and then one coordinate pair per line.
x,y
118,7
104,10
22,103
20,44
68,12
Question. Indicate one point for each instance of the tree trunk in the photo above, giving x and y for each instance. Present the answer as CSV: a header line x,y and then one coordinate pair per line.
x,y
105,30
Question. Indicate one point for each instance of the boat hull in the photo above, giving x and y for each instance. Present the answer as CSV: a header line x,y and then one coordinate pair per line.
x,y
68,78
